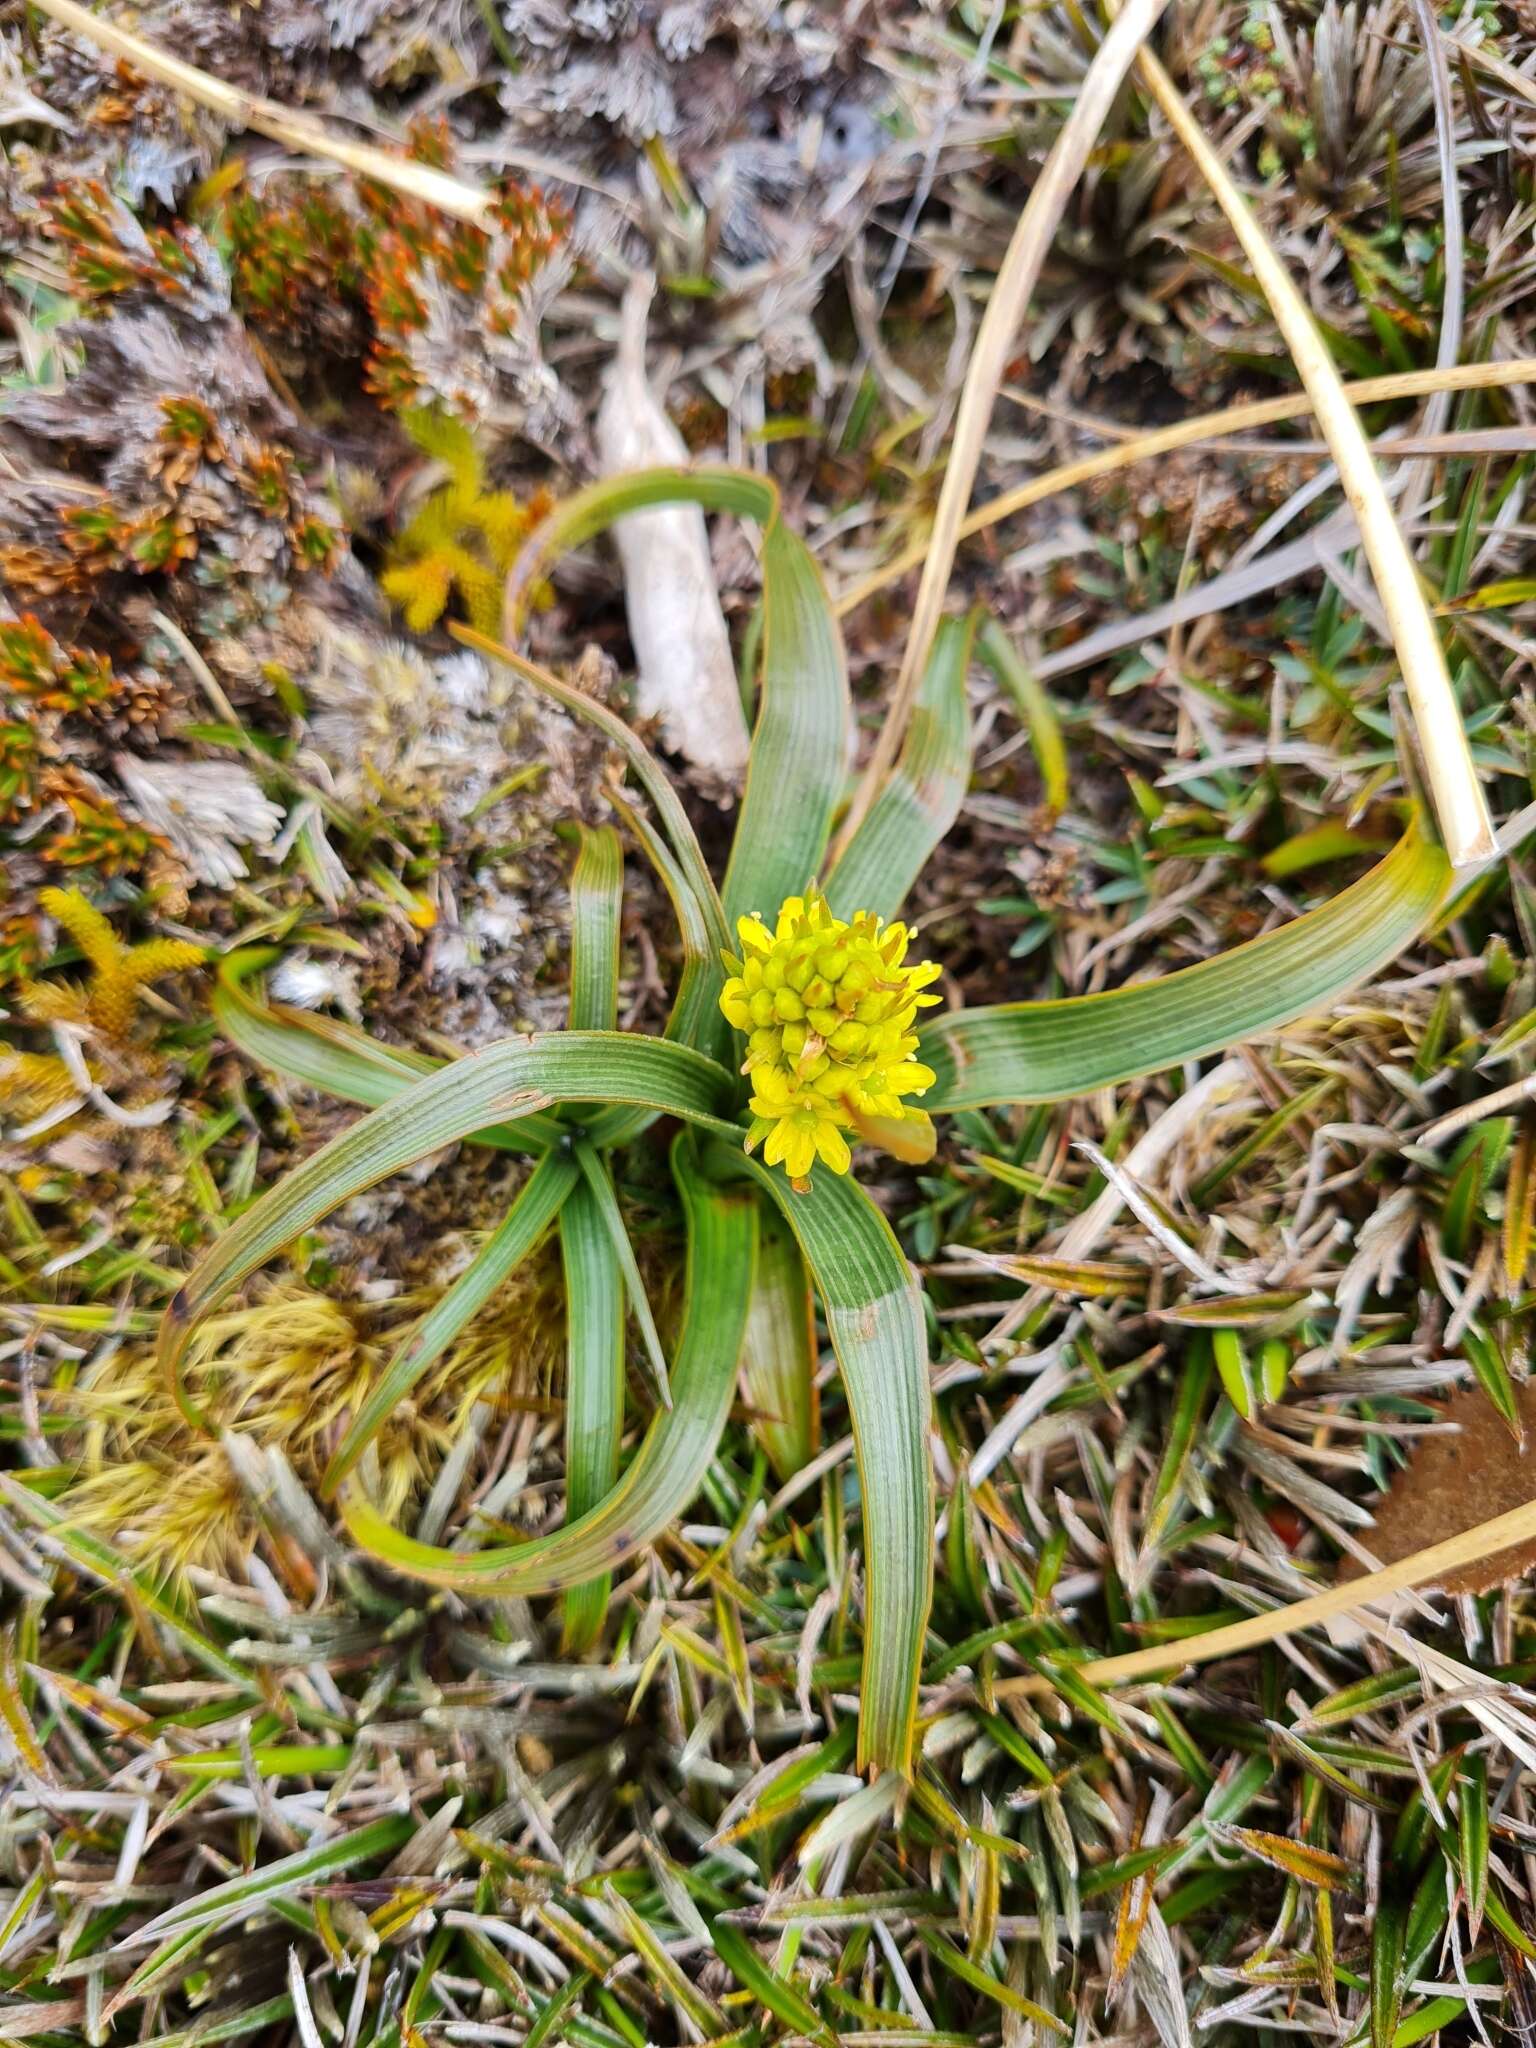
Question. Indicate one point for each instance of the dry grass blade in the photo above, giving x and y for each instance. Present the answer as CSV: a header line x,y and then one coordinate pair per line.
x,y
1027,251
1206,427
1352,1596
1458,798
1514,82
295,131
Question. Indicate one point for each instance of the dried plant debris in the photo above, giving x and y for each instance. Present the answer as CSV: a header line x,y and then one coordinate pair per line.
x,y
1200,1344
685,671
1480,1467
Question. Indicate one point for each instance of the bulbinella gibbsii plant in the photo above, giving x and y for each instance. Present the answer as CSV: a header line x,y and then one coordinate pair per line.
x,y
800,1031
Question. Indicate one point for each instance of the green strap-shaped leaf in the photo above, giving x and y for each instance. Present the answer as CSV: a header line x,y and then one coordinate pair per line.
x,y
538,1203
922,799
669,1467
1045,1052
778,1355
594,1386
600,1181
767,1985
322,1052
596,1258
597,902
874,1311
518,1077
800,745
799,758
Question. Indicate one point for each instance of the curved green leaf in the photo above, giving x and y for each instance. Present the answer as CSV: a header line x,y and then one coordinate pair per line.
x,y
597,902
594,1387
1045,1052
695,1019
538,1203
668,1469
922,799
800,743
778,1353
249,1890
874,1311
600,1181
517,1078
799,758
321,1052
592,510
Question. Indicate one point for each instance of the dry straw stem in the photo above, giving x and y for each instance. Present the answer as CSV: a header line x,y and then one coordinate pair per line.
x,y
1463,816
1210,426
1353,1597
1032,238
266,117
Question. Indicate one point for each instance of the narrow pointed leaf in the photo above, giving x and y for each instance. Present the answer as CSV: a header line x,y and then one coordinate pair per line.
x,y
1472,1828
668,1469
922,799
1188,1411
997,650
537,1204
1047,1051
600,1181
766,1985
1389,1934
1301,1860
279,1880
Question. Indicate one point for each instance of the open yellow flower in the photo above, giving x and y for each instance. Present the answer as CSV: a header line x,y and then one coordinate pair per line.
x,y
829,1006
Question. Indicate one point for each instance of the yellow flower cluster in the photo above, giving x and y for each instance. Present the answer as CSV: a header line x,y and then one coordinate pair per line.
x,y
828,1009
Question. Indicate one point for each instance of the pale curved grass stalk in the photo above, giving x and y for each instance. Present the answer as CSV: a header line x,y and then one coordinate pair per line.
x,y
1353,1597
295,131
1211,426
1454,787
1032,238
